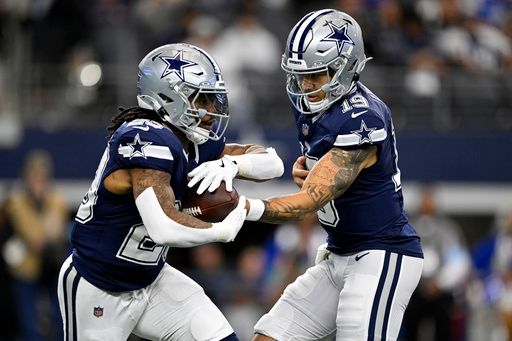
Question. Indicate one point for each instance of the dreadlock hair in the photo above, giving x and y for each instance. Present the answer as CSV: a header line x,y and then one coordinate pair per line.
x,y
131,114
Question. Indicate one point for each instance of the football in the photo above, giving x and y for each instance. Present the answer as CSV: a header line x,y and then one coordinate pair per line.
x,y
211,207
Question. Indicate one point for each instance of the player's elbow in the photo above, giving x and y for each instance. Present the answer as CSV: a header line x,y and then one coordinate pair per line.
x,y
156,237
274,167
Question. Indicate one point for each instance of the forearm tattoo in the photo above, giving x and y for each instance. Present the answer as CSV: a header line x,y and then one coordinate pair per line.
x,y
329,179
160,181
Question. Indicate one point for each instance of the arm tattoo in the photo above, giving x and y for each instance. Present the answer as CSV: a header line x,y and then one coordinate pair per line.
x,y
329,179
160,181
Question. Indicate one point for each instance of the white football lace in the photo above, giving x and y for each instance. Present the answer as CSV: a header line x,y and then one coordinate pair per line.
x,y
193,211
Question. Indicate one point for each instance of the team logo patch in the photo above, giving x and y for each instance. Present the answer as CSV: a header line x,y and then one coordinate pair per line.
x,y
98,311
364,133
339,36
137,147
305,129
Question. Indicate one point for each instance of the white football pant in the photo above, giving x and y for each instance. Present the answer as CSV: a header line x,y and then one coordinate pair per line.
x,y
357,297
173,307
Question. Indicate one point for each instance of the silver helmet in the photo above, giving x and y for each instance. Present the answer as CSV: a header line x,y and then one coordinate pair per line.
x,y
174,79
327,41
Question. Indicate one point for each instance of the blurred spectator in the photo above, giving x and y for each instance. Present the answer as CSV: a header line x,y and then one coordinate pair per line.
x,y
503,265
490,291
245,307
8,320
38,217
159,22
475,45
446,268
210,271
249,56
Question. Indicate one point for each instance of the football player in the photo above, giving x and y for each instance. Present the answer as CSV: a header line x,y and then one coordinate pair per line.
x,y
348,173
116,282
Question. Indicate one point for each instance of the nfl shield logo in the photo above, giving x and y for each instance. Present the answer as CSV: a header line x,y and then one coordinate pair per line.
x,y
305,129
98,311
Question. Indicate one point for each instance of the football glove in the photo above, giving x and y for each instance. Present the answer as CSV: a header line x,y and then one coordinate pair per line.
x,y
212,173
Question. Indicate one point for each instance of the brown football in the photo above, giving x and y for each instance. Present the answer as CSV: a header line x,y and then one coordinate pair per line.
x,y
211,207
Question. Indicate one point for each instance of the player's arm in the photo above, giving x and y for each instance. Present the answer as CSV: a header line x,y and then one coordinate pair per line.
x,y
250,162
155,199
254,162
330,177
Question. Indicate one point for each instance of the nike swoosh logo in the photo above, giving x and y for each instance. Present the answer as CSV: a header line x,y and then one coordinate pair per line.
x,y
145,128
358,257
355,114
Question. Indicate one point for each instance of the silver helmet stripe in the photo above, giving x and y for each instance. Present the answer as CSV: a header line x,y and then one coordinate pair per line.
x,y
302,31
214,63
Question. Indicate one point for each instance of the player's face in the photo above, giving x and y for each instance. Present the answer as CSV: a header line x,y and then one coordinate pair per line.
x,y
207,102
310,82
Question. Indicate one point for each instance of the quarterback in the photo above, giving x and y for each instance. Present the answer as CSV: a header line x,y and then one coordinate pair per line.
x,y
348,172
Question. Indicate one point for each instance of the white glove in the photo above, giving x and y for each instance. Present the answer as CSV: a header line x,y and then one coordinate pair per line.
x,y
322,253
212,173
229,227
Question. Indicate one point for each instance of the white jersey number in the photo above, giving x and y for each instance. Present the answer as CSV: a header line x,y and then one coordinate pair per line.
x,y
328,214
139,248
397,175
86,209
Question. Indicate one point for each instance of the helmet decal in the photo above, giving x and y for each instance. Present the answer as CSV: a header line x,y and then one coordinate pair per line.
x,y
175,65
339,36
302,29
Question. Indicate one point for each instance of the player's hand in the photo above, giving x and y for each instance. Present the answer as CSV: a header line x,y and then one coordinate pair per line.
x,y
322,253
212,173
299,171
231,225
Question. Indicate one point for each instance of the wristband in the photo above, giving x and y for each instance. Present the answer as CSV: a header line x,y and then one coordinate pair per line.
x,y
256,210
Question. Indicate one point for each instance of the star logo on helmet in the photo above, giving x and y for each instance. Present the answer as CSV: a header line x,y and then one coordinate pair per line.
x,y
137,147
364,133
339,36
175,65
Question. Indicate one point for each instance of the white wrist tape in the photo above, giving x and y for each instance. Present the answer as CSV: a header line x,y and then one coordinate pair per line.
x,y
256,210
165,231
262,166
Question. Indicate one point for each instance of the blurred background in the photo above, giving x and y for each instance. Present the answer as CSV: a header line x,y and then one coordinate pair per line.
x,y
443,66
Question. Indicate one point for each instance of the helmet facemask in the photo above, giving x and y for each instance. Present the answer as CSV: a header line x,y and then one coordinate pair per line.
x,y
210,103
332,88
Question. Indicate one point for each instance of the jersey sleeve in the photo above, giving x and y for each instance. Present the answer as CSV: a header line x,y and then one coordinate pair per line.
x,y
360,127
145,147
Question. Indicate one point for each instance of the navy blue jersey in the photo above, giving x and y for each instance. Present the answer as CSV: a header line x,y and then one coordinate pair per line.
x,y
369,215
111,247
